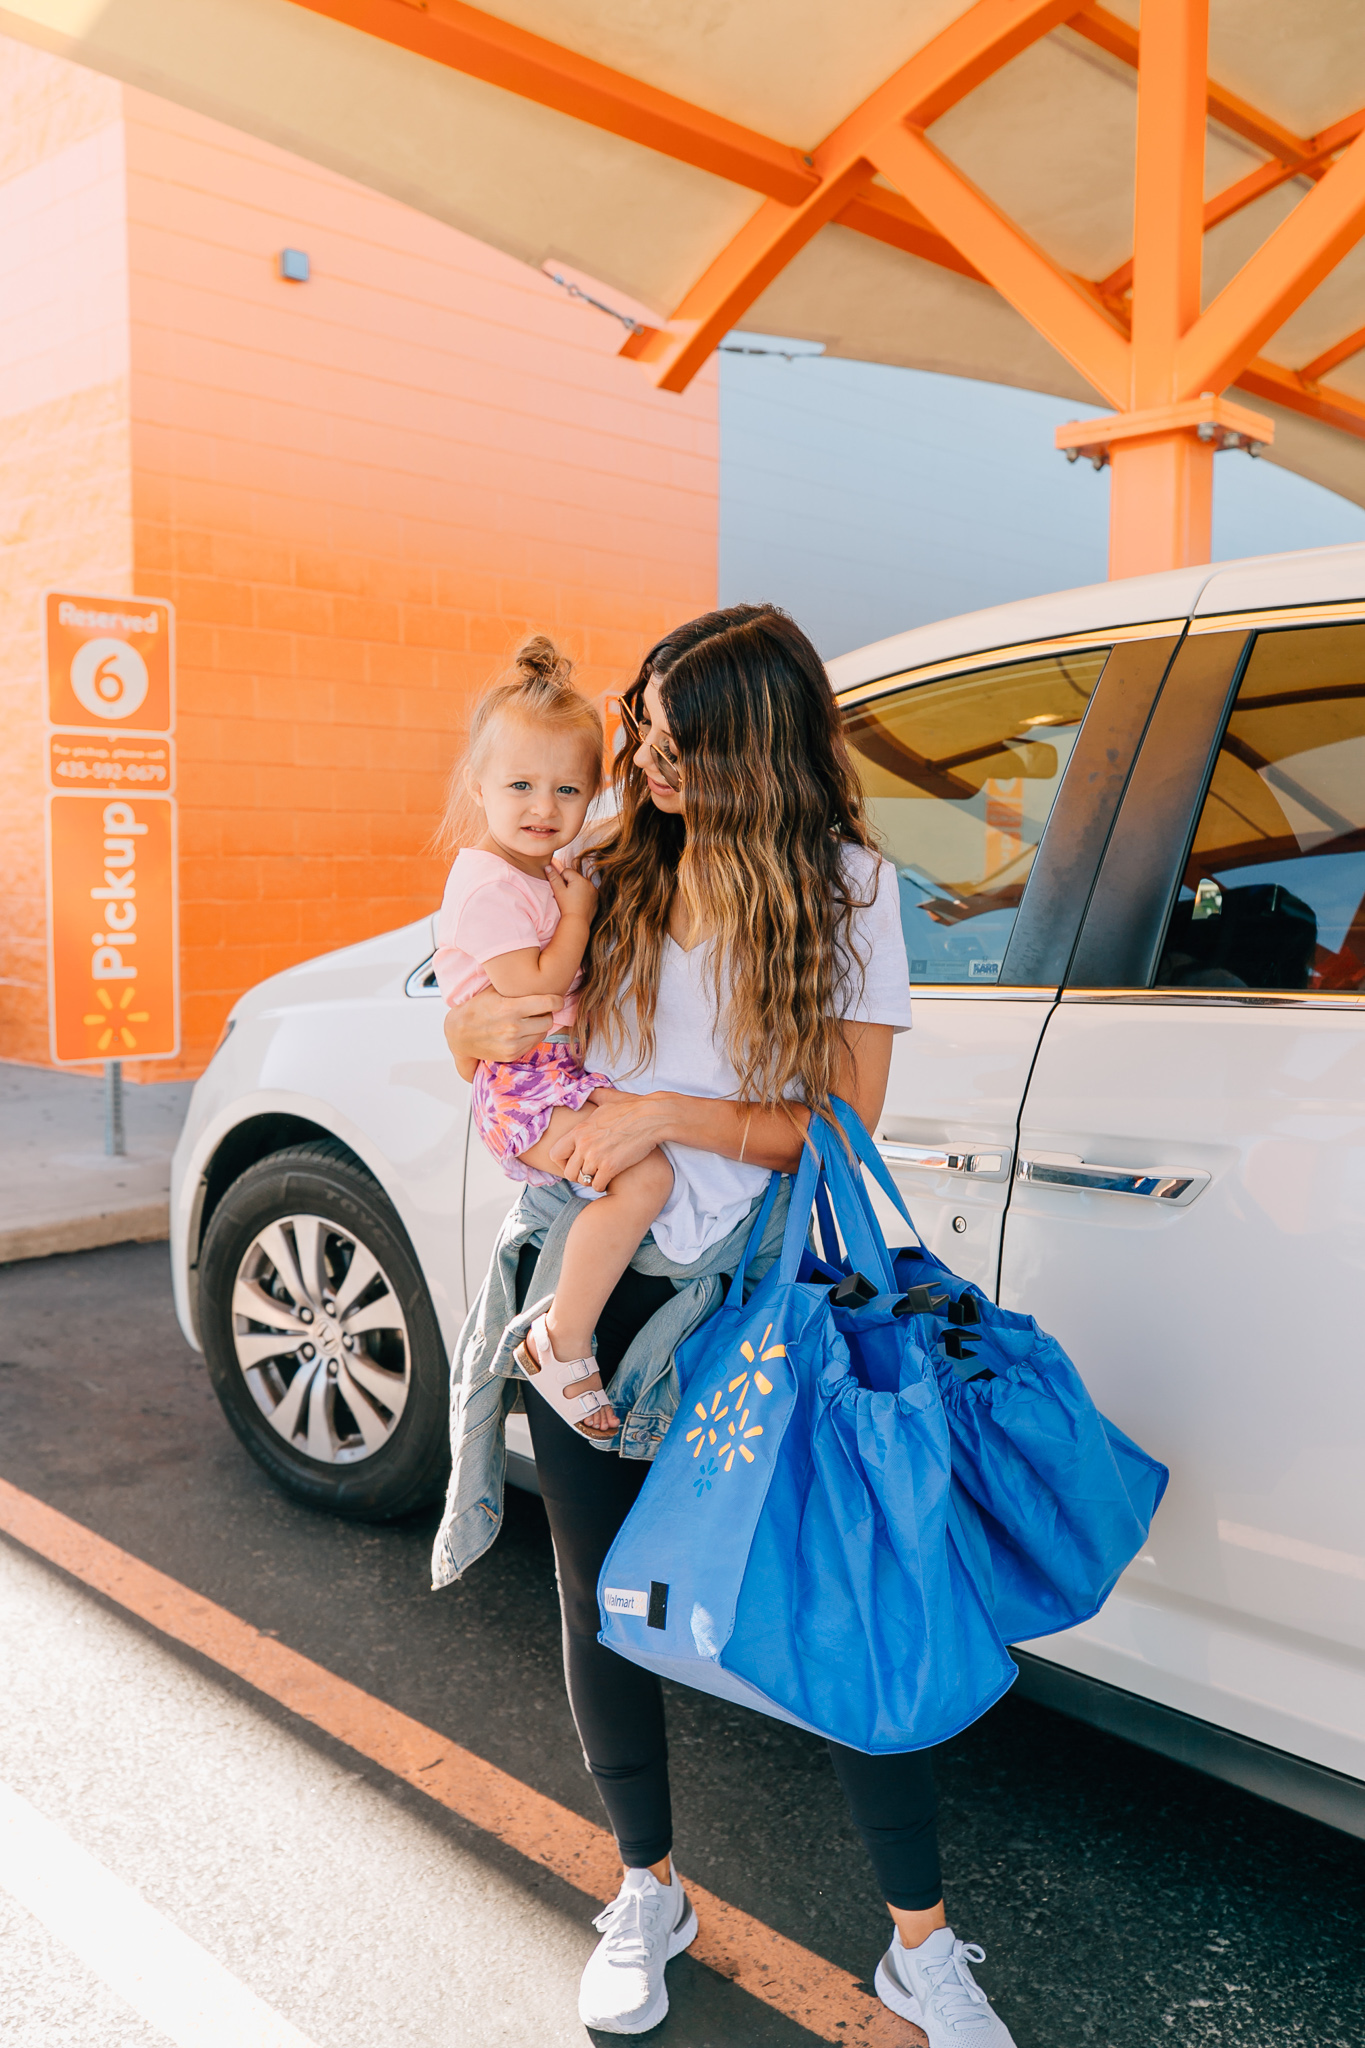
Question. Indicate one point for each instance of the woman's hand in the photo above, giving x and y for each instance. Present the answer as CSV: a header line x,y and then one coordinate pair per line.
x,y
494,1027
623,1130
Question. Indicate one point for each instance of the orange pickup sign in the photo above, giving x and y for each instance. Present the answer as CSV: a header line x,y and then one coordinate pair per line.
x,y
113,956
96,760
109,663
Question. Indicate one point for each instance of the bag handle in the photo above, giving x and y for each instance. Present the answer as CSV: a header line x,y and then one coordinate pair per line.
x,y
829,1236
735,1294
826,1181
823,1160
804,1188
871,1158
862,1233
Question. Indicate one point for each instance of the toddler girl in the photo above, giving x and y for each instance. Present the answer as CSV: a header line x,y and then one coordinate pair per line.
x,y
514,918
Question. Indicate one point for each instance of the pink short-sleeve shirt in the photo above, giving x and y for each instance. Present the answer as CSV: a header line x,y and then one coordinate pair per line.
x,y
489,908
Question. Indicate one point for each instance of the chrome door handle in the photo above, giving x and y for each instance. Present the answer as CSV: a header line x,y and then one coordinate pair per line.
x,y
937,1159
422,980
1176,1184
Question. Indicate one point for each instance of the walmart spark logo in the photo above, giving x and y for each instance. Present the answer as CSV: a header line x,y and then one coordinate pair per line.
x,y
723,1431
109,1019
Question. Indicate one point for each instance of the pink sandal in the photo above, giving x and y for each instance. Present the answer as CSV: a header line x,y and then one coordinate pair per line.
x,y
550,1375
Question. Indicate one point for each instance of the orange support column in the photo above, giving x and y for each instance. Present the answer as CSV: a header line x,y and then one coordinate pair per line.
x,y
1160,503
1161,495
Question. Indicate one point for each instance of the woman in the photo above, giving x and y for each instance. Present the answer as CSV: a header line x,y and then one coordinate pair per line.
x,y
746,960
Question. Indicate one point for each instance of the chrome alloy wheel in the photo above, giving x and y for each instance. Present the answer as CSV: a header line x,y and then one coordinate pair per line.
x,y
320,1339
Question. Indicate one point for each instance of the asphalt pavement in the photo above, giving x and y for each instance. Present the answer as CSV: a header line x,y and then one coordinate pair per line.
x,y
271,1872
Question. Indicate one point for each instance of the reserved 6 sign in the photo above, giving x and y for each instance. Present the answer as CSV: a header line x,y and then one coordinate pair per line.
x,y
113,952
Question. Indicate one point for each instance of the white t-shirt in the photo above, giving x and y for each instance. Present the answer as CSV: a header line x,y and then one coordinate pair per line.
x,y
711,1194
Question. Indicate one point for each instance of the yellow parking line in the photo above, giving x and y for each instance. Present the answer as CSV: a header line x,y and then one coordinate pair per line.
x,y
826,2001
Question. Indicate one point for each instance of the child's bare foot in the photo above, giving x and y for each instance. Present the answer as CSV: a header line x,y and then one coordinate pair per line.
x,y
576,1394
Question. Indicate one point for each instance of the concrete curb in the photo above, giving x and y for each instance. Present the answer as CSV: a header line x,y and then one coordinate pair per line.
x,y
145,1224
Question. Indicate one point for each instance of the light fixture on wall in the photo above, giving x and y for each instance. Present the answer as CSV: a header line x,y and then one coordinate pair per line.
x,y
294,265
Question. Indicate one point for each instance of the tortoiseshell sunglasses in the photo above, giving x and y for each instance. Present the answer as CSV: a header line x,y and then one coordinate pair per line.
x,y
670,767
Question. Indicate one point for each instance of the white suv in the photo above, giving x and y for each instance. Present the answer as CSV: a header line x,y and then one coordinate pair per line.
x,y
1129,823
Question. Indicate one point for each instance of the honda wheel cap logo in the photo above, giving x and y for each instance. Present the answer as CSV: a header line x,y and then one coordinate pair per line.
x,y
109,678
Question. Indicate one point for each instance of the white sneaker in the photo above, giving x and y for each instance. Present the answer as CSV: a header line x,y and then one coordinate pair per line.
x,y
647,1923
932,1986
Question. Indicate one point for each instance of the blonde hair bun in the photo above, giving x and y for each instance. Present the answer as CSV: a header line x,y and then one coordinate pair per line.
x,y
539,658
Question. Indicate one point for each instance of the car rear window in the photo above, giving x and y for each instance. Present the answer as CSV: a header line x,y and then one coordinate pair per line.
x,y
1273,894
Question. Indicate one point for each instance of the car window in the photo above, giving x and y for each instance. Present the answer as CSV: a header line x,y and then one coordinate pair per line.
x,y
960,775
1273,894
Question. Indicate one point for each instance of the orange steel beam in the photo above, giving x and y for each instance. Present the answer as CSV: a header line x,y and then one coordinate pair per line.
x,y
1334,138
479,45
1294,260
1216,420
1107,32
1221,207
1340,352
1265,178
728,287
1168,208
963,56
886,217
1244,191
1339,134
1261,379
1051,301
1161,490
968,51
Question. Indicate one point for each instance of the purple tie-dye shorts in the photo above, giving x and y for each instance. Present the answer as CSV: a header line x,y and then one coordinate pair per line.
x,y
514,1100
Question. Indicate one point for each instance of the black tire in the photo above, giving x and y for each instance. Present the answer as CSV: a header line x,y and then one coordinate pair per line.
x,y
408,1469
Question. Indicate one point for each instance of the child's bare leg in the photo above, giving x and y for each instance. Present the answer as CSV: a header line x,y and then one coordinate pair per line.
x,y
596,1254
600,1247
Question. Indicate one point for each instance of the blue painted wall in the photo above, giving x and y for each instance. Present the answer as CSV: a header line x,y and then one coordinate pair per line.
x,y
866,499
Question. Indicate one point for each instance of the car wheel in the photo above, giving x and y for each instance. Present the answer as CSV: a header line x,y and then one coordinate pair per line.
x,y
320,1337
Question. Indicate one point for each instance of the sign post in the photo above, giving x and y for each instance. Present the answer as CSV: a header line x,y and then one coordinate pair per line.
x,y
113,941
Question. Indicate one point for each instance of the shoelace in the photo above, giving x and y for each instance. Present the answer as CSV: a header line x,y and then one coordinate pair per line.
x,y
954,1985
626,1927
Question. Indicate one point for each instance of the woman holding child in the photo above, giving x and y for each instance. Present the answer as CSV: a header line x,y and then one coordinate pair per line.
x,y
735,957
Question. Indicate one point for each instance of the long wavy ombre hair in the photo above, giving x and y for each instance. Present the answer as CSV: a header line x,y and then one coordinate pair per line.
x,y
770,808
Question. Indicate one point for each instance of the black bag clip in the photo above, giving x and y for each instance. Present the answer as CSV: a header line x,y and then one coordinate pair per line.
x,y
854,1292
924,1300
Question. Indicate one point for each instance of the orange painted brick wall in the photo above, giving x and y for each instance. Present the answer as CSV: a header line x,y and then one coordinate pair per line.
x,y
65,467
359,493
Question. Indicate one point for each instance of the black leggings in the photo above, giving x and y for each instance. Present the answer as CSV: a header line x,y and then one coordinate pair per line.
x,y
618,1708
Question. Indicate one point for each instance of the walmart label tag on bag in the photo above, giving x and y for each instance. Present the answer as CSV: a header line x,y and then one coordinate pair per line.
x,y
617,1601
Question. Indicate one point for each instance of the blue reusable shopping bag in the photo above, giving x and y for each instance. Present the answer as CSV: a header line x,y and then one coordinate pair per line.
x,y
799,1544
1063,1499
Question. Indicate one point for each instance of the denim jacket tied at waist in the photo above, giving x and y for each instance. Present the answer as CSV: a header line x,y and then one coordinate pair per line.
x,y
644,1388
